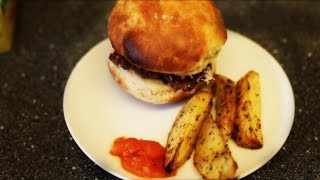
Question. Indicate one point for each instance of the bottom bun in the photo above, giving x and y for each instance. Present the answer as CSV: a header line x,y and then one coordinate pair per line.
x,y
148,90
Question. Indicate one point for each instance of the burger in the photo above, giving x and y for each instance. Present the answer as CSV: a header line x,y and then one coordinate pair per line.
x,y
164,50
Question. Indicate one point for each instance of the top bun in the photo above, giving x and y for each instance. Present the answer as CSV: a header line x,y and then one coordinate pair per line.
x,y
172,37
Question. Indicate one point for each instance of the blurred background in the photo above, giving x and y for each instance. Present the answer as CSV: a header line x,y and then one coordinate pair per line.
x,y
50,37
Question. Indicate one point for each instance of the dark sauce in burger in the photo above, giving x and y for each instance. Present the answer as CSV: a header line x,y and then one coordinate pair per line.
x,y
185,83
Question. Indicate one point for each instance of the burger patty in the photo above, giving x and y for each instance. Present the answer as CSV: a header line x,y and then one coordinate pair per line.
x,y
185,83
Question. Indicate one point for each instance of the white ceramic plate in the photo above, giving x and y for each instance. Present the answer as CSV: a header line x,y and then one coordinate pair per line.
x,y
97,111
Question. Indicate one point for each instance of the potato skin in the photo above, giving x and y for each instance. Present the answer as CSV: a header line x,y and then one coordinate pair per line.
x,y
212,156
182,137
247,130
225,94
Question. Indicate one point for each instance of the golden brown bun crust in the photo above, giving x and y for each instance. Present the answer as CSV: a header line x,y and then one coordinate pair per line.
x,y
178,37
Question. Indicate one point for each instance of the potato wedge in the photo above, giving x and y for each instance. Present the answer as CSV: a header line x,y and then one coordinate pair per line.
x,y
212,156
182,137
247,129
225,96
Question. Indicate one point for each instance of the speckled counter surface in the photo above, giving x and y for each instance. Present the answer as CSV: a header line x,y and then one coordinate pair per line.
x,y
52,36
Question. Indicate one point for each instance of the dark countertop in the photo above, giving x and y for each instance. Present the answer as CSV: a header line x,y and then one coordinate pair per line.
x,y
52,36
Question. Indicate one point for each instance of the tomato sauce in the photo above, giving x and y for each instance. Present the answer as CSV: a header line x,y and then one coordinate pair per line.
x,y
143,158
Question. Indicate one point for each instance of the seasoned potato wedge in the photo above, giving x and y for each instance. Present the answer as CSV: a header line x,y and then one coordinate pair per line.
x,y
182,137
247,129
212,157
225,95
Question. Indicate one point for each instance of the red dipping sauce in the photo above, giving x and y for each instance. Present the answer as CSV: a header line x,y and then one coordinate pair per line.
x,y
143,158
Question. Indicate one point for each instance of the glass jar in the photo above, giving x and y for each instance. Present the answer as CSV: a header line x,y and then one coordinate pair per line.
x,y
7,19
